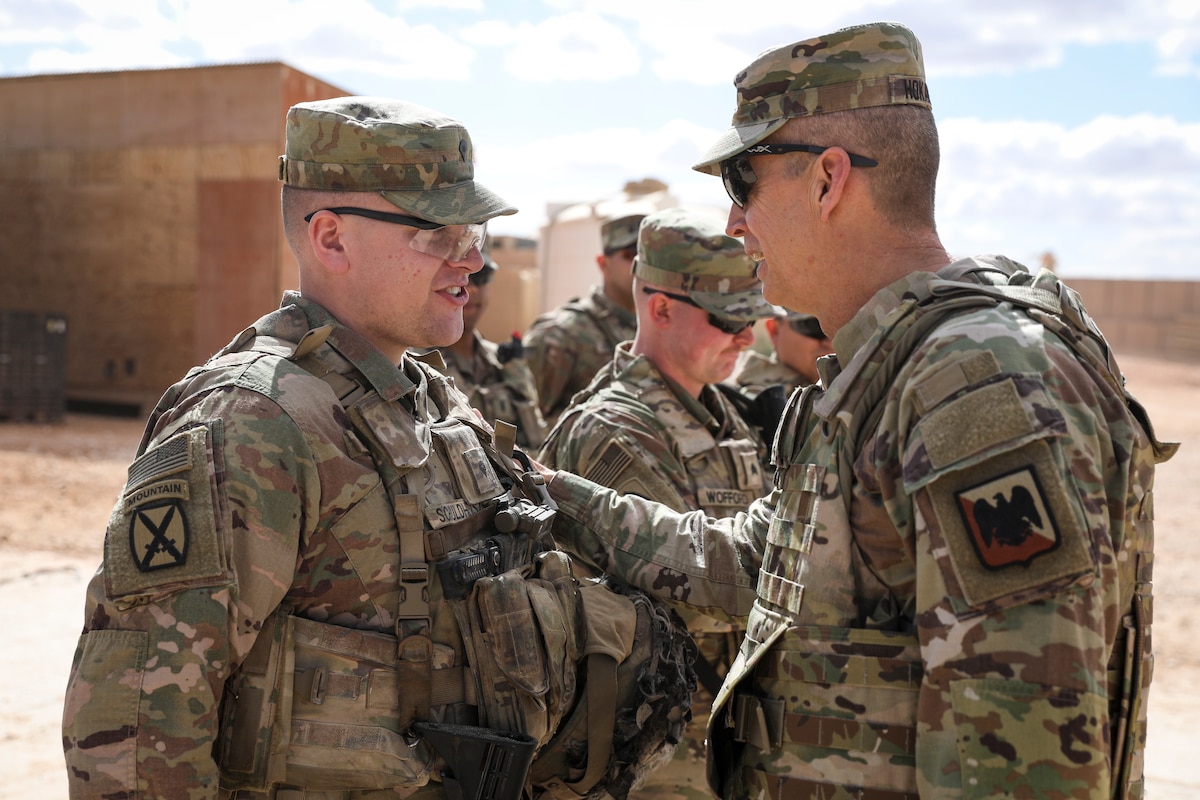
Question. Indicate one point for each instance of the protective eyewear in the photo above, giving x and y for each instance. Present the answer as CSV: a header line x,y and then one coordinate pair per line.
x,y
481,278
447,242
731,326
808,326
739,176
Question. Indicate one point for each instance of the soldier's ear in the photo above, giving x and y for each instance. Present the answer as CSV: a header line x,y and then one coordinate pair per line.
x,y
326,237
659,309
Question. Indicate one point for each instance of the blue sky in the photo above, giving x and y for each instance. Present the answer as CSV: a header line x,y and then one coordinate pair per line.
x,y
1067,127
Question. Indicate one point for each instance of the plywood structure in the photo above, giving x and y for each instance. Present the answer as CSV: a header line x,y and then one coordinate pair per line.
x,y
144,207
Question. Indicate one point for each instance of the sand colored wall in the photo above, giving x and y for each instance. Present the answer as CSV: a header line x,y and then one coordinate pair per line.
x,y
144,207
1155,318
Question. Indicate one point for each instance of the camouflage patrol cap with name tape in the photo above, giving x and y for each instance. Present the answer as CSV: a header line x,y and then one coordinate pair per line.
x,y
421,161
878,64
619,233
687,250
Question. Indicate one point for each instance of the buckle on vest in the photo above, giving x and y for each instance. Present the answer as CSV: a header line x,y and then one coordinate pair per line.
x,y
758,722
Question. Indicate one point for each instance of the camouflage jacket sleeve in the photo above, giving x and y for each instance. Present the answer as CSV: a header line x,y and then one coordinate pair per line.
x,y
621,446
703,562
201,548
1019,479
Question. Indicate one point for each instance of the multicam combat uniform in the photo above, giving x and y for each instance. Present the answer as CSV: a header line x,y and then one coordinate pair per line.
x,y
756,373
566,347
638,433
501,390
297,570
954,584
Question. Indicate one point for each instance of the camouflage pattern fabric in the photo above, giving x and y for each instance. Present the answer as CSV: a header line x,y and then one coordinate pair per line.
x,y
687,249
862,66
965,610
421,161
755,372
620,232
252,492
504,391
566,347
636,432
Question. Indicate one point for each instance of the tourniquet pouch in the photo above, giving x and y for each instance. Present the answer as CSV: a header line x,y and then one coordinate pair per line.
x,y
319,706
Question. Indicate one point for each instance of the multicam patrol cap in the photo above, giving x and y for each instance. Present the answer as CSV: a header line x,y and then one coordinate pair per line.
x,y
421,161
878,64
687,249
620,232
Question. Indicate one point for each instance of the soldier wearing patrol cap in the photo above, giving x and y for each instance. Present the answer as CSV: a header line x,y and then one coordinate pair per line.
x,y
764,382
952,573
494,376
653,423
326,578
568,345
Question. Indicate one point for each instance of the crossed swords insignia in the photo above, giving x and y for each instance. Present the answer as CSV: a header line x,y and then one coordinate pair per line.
x,y
146,553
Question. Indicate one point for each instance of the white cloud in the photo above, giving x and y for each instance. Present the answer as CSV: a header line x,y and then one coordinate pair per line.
x,y
574,46
1115,196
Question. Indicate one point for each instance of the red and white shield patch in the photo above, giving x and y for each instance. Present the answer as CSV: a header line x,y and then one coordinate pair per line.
x,y
1008,519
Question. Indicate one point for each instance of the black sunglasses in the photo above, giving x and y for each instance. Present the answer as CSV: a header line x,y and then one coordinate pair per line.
x,y
381,216
739,176
731,326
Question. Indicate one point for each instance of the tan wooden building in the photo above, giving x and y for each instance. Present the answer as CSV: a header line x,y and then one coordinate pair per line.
x,y
143,207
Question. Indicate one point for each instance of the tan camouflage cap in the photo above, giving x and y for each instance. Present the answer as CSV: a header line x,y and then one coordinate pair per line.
x,y
617,234
878,64
687,249
418,159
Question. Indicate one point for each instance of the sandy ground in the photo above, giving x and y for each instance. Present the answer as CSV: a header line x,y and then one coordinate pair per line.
x,y
60,481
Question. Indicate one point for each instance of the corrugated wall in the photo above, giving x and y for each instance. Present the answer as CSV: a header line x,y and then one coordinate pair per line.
x,y
1158,318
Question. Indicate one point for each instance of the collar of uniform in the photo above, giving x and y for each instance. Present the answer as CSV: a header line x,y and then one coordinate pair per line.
x,y
605,304
385,377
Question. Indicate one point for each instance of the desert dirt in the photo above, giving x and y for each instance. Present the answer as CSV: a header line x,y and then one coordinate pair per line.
x,y
60,481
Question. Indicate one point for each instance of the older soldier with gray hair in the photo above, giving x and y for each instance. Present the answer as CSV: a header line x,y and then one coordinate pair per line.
x,y
952,575
325,578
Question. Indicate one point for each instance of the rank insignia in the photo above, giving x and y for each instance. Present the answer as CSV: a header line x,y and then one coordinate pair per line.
x,y
158,536
1007,519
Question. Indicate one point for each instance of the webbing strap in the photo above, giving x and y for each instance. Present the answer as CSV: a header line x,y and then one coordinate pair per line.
x,y
785,787
602,718
763,724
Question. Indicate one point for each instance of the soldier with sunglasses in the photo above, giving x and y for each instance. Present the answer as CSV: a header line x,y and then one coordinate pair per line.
x,y
952,573
653,423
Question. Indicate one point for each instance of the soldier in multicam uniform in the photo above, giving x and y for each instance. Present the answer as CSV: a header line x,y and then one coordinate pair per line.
x,y
953,570
797,341
653,423
324,579
566,347
766,382
495,377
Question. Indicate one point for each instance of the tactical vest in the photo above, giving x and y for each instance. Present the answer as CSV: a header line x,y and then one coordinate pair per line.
x,y
828,708
511,400
492,630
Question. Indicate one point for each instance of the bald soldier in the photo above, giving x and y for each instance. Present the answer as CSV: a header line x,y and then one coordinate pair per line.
x,y
653,423
949,586
567,346
325,578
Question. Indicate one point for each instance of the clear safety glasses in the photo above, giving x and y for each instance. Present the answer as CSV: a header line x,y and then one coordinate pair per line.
x,y
447,242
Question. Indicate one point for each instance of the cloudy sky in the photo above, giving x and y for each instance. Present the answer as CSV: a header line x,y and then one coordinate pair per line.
x,y
1069,127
